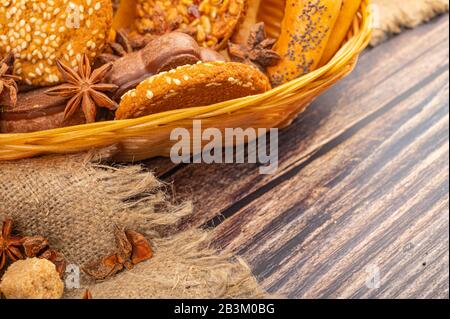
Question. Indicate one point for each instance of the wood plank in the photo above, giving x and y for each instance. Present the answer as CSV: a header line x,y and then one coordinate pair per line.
x,y
374,194
316,114
162,167
363,182
393,69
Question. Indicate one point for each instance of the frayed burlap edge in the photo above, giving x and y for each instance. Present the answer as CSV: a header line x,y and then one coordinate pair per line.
x,y
394,16
184,265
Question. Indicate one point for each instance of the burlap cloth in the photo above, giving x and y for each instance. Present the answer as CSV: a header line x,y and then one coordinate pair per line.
x,y
74,202
396,15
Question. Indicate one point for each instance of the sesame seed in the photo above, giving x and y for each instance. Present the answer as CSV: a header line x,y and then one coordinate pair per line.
x,y
34,30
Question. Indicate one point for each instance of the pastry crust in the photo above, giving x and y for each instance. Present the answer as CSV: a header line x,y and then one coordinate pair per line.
x,y
36,111
210,22
192,85
251,18
305,30
340,31
41,32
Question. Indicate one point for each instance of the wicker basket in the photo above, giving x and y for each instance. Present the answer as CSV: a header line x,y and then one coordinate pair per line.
x,y
149,136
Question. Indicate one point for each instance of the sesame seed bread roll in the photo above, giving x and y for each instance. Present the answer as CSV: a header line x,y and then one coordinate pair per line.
x,y
305,30
39,33
340,31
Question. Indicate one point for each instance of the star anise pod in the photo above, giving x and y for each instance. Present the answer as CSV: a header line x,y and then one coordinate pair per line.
x,y
33,246
124,43
87,295
15,248
57,259
119,48
132,248
8,82
9,244
141,248
84,88
257,51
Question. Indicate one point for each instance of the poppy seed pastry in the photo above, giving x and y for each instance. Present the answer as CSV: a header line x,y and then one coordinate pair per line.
x,y
340,31
39,33
192,85
305,30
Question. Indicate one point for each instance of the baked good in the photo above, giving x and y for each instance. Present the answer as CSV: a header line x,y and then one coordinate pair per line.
x,y
340,30
210,22
36,111
210,55
190,86
173,49
41,32
305,30
251,18
272,13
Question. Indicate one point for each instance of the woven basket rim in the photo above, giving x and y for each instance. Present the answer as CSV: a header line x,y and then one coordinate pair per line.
x,y
47,141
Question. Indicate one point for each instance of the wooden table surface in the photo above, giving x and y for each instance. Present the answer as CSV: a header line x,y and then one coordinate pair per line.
x,y
359,207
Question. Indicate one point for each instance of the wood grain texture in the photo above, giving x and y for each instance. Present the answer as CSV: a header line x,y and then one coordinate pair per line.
x,y
362,184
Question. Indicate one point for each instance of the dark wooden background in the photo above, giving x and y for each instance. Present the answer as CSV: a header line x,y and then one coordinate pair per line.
x,y
362,188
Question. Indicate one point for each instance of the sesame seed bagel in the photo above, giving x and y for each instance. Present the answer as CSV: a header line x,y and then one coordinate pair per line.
x,y
41,32
192,85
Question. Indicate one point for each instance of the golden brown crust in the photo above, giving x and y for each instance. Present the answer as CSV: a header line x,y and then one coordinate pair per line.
x,y
251,18
37,111
45,122
305,31
40,32
340,31
192,85
210,22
